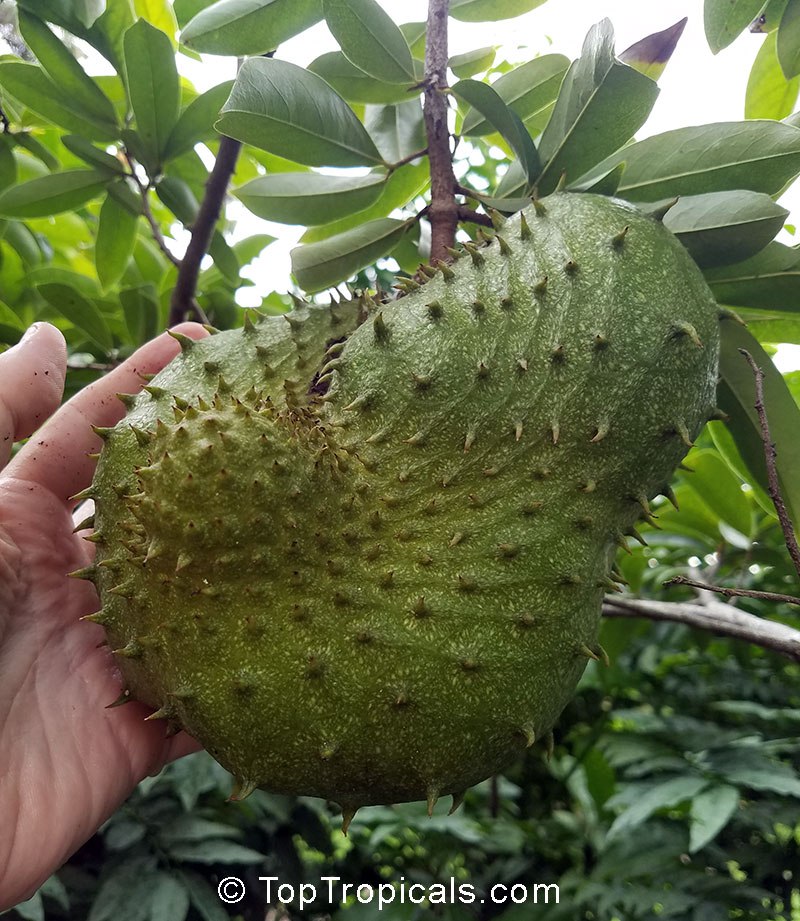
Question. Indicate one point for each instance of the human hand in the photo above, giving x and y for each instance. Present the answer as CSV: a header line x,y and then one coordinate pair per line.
x,y
66,762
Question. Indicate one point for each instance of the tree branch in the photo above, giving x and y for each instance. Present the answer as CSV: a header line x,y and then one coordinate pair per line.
x,y
155,229
417,155
474,217
735,592
183,304
443,210
715,617
770,456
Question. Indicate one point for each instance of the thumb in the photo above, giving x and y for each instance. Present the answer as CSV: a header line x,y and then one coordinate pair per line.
x,y
32,377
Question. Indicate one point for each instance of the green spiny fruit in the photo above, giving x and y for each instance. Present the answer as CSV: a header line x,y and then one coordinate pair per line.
x,y
366,560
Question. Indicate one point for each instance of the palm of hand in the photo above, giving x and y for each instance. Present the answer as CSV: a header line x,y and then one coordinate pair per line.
x,y
66,762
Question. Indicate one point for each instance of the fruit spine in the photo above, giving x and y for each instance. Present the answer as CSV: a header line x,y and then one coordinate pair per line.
x,y
366,560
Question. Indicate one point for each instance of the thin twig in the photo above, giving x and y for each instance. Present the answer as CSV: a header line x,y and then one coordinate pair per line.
x,y
770,456
721,619
443,210
474,217
157,235
409,159
183,302
735,592
144,191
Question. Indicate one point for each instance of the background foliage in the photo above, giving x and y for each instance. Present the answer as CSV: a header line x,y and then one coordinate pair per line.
x,y
673,790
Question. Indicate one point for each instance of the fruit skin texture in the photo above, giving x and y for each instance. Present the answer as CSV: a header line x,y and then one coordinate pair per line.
x,y
372,570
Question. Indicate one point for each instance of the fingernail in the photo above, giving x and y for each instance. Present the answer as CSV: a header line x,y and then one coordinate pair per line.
x,y
30,332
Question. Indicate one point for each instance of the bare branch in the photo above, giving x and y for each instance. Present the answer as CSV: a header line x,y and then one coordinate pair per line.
x,y
735,592
443,210
474,217
716,617
183,304
155,229
770,456
418,154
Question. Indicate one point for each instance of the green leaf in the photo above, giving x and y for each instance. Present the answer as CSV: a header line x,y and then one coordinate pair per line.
x,y
726,446
530,90
196,122
398,131
769,18
92,155
788,40
169,900
107,34
759,155
416,35
354,85
66,73
224,257
320,265
309,198
772,328
158,13
53,194
490,10
402,187
736,396
710,812
244,27
186,10
191,827
21,239
472,62
88,11
720,490
651,54
660,795
485,100
31,86
283,108
204,898
35,148
124,195
116,234
9,318
605,183
140,307
214,850
769,94
80,311
370,40
178,196
724,20
32,909
767,281
719,228
754,769
8,164
601,105
124,892
154,88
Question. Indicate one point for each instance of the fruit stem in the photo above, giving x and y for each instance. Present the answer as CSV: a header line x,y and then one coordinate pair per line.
x,y
443,209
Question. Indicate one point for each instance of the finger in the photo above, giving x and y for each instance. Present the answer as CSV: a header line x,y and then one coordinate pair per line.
x,y
57,457
31,384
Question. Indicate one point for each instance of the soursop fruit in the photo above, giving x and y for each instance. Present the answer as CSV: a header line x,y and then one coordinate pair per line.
x,y
359,551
